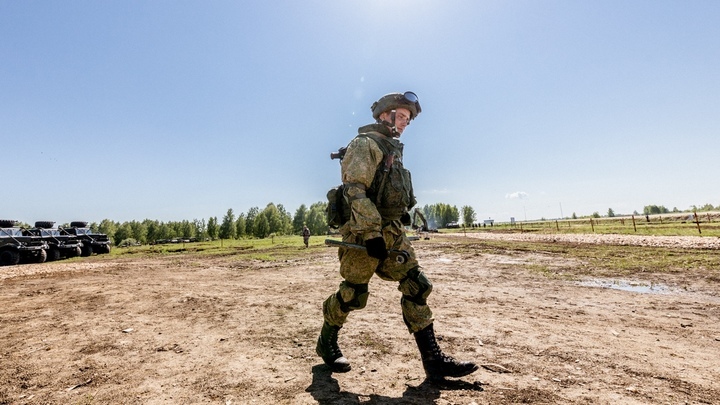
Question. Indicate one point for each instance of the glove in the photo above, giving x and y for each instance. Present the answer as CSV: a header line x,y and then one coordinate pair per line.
x,y
376,248
405,219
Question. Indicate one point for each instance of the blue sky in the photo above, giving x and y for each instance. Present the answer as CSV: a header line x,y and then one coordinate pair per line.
x,y
174,110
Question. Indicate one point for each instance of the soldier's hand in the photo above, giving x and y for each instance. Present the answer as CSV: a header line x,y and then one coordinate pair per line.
x,y
376,248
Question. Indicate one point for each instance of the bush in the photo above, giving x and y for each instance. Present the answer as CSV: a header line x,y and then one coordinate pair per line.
x,y
128,242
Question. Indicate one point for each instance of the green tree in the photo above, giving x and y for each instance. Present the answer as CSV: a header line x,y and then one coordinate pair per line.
x,y
442,214
227,228
200,229
186,229
316,219
262,227
139,231
611,213
286,217
468,214
706,207
300,218
274,219
240,226
153,228
213,228
123,232
250,220
108,227
654,209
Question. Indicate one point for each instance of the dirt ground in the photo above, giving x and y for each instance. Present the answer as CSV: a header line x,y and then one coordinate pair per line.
x,y
189,329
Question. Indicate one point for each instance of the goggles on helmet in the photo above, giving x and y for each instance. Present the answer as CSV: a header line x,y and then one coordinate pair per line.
x,y
411,97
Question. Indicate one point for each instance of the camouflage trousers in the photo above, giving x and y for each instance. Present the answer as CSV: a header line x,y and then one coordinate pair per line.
x,y
357,268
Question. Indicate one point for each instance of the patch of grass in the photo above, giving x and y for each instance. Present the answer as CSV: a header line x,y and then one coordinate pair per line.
x,y
574,259
276,248
601,259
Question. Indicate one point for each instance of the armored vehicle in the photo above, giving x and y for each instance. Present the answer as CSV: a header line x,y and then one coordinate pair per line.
x,y
59,245
16,247
91,242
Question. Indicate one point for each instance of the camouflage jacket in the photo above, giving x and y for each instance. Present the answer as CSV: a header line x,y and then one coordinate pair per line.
x,y
377,186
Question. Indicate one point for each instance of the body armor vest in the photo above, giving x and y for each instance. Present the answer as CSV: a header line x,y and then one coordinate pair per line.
x,y
391,189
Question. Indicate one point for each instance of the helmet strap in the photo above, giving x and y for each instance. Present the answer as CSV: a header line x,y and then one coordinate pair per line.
x,y
390,124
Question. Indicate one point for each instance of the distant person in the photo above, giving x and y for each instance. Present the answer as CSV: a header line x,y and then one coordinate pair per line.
x,y
379,192
306,236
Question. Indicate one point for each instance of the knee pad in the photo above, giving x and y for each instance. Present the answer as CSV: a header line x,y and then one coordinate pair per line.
x,y
352,296
416,287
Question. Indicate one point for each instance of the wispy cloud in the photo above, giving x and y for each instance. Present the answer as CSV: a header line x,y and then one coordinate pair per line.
x,y
520,195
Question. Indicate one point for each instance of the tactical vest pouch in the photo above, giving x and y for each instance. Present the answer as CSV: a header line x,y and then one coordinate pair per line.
x,y
338,210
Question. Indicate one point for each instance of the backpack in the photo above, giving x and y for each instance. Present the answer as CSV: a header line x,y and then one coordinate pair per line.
x,y
338,210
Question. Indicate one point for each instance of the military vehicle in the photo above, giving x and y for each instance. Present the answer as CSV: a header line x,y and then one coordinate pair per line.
x,y
92,242
15,247
420,225
59,245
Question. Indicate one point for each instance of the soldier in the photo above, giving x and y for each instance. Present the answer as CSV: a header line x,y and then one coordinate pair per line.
x,y
379,192
306,235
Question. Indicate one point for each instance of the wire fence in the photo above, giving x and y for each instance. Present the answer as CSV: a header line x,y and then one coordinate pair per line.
x,y
685,224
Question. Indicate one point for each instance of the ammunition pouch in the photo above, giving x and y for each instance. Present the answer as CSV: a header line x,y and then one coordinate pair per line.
x,y
338,209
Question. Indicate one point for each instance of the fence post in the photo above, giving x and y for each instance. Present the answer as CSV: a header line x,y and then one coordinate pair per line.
x,y
697,221
634,226
592,225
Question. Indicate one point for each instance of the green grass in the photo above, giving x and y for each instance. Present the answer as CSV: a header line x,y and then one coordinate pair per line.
x,y
601,259
569,259
268,249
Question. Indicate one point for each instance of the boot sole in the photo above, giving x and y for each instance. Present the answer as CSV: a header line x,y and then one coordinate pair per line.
x,y
337,368
438,377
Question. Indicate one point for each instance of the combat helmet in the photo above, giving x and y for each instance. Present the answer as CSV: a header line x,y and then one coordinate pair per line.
x,y
392,101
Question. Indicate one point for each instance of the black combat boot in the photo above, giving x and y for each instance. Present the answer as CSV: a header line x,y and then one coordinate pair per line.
x,y
327,348
437,365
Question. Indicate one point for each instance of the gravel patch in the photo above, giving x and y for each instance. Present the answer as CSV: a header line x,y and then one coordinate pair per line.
x,y
683,242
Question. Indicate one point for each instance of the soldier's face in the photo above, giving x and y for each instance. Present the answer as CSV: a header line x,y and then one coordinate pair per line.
x,y
402,119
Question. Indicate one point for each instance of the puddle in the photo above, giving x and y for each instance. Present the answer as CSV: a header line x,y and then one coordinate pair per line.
x,y
631,286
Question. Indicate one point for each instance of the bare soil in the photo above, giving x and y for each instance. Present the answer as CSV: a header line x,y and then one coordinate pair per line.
x,y
189,328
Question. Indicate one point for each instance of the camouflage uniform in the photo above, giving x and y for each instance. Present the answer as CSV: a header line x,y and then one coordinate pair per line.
x,y
374,215
379,192
306,236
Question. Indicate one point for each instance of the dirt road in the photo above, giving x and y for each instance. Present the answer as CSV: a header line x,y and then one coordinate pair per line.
x,y
189,329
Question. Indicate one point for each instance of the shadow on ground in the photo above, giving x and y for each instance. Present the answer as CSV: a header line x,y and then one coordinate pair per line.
x,y
326,390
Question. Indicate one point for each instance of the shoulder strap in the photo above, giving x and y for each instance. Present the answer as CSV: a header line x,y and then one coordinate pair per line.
x,y
380,140
387,149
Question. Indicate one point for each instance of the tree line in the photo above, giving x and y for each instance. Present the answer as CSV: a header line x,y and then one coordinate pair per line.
x,y
255,223
276,220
